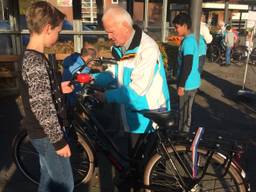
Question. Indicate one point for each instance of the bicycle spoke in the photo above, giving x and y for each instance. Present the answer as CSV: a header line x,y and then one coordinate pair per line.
x,y
215,178
163,177
27,159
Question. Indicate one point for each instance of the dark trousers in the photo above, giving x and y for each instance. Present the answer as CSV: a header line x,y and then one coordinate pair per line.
x,y
185,110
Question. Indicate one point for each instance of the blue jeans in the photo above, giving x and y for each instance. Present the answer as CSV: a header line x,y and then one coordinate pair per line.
x,y
228,52
56,171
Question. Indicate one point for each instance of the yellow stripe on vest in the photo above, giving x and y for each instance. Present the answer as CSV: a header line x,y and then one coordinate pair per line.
x,y
129,56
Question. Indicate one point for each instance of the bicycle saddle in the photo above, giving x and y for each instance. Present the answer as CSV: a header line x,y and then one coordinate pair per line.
x,y
162,119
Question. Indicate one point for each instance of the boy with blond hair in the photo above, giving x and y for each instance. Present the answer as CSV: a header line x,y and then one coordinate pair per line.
x,y
42,99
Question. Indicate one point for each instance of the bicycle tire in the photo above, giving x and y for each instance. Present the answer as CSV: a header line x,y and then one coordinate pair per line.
x,y
158,178
238,57
213,54
26,159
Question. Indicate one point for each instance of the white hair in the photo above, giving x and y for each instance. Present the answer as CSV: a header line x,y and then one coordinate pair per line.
x,y
118,14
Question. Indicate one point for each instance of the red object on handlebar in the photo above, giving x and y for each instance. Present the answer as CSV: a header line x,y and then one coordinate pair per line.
x,y
84,78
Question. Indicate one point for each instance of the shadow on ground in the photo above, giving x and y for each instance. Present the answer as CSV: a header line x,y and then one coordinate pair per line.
x,y
229,115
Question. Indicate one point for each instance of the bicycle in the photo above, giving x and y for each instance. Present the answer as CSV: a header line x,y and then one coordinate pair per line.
x,y
161,161
216,48
216,52
252,59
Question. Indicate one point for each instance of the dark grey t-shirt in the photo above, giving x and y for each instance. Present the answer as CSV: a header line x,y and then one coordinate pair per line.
x,y
41,118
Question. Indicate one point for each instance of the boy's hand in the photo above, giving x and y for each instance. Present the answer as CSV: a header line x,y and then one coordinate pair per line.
x,y
180,91
66,87
64,152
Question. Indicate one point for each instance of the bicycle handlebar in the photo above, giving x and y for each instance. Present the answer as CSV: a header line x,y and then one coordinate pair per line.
x,y
86,78
103,60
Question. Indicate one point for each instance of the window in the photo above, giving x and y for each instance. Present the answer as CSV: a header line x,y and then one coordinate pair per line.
x,y
89,11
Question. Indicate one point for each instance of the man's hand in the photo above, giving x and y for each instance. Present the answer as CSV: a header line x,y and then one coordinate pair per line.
x,y
66,87
64,152
181,91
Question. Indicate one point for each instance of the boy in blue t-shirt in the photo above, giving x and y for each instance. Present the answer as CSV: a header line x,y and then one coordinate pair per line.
x,y
188,76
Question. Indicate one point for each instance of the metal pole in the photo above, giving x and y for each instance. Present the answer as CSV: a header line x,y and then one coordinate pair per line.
x,y
226,11
130,7
77,24
195,13
91,11
246,70
164,24
247,64
146,15
240,18
78,39
2,7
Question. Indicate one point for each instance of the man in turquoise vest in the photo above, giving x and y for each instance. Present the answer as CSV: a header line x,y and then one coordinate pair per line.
x,y
139,76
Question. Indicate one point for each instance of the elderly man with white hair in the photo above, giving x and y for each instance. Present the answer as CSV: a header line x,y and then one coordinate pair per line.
x,y
139,75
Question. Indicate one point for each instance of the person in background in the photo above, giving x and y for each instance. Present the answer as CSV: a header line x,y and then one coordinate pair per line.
x,y
222,28
42,100
204,30
205,38
249,41
236,36
77,62
188,76
229,40
139,77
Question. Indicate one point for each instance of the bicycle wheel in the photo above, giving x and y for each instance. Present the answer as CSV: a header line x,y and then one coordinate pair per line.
x,y
26,158
159,175
238,56
213,54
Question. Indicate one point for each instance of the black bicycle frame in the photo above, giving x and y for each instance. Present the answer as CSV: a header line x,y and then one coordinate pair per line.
x,y
96,133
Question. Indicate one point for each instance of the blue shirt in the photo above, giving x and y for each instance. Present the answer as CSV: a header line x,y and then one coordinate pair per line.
x,y
189,47
202,46
71,65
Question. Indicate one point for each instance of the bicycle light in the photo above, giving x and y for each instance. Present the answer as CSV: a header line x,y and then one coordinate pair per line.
x,y
83,78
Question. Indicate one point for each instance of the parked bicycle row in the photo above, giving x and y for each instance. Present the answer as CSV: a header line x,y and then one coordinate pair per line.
x,y
217,50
